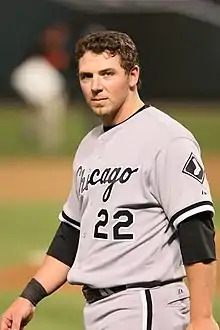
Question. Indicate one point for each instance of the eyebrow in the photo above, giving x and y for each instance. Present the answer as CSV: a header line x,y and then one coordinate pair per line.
x,y
82,73
106,70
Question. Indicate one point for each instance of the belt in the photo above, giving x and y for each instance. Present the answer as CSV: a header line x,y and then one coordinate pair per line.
x,y
94,294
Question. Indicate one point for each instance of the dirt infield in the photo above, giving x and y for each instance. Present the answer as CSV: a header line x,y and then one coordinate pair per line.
x,y
15,278
50,179
35,179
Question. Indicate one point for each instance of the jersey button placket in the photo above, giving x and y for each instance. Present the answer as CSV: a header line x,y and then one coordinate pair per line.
x,y
100,148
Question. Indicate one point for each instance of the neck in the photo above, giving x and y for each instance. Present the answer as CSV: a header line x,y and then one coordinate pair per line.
x,y
126,110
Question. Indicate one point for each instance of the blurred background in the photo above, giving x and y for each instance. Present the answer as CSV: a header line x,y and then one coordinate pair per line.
x,y
43,116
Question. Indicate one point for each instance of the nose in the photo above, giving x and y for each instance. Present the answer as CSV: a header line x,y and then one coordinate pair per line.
x,y
96,86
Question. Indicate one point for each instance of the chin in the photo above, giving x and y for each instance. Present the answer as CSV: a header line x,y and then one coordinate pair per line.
x,y
102,111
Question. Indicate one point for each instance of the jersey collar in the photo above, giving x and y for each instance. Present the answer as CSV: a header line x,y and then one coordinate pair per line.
x,y
107,128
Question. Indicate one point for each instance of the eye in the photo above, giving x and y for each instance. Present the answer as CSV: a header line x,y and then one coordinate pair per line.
x,y
108,73
84,76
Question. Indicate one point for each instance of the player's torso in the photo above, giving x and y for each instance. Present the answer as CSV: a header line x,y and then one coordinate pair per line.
x,y
123,227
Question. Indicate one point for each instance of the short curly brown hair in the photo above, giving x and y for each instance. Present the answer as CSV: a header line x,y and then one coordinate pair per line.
x,y
114,42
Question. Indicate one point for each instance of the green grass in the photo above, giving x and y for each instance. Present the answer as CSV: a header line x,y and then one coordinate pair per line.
x,y
204,126
217,214
18,140
26,228
58,312
217,308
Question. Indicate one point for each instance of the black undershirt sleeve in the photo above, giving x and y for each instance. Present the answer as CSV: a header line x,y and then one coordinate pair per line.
x,y
196,236
64,244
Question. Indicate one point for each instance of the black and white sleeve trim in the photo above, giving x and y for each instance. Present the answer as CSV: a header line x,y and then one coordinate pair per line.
x,y
187,212
65,218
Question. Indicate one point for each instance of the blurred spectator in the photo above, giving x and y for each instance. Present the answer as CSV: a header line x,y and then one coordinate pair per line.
x,y
40,82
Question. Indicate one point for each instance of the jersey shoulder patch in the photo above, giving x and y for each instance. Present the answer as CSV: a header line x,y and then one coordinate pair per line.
x,y
193,168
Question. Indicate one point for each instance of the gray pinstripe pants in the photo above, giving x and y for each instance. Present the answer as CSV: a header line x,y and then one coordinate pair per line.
x,y
162,308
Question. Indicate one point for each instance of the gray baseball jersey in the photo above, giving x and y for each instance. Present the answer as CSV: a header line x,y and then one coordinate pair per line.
x,y
132,186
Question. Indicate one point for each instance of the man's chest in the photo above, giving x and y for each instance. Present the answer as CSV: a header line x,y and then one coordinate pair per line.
x,y
105,182
112,172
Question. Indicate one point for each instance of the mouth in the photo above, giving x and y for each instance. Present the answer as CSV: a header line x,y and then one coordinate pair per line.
x,y
99,99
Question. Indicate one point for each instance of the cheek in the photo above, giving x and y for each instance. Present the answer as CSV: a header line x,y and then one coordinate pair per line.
x,y
118,90
85,89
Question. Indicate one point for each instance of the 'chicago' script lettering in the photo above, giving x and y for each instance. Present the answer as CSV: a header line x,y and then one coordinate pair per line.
x,y
109,176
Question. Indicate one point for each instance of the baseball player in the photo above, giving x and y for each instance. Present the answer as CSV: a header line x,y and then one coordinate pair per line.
x,y
138,219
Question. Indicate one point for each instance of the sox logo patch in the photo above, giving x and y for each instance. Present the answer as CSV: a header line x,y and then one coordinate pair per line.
x,y
194,168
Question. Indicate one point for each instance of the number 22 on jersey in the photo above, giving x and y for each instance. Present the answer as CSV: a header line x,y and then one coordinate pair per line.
x,y
123,218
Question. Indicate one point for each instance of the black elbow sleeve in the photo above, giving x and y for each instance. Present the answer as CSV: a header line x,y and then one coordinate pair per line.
x,y
65,244
196,237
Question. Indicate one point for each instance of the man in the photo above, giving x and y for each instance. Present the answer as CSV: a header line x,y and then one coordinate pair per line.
x,y
139,210
40,82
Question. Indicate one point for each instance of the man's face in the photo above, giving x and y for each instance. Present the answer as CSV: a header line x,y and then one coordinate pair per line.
x,y
104,83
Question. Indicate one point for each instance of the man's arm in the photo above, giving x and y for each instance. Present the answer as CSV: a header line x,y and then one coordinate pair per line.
x,y
201,279
51,275
196,236
53,272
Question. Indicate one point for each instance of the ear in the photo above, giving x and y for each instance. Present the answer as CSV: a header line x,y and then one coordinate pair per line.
x,y
134,76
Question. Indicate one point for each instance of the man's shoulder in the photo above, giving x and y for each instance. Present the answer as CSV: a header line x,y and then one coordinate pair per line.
x,y
89,139
93,134
167,126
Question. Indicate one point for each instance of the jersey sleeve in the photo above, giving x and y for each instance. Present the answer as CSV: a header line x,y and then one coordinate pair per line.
x,y
179,181
71,209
